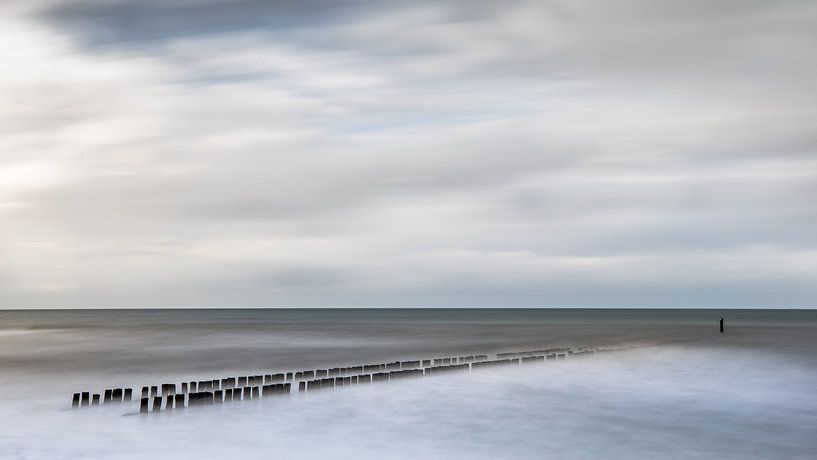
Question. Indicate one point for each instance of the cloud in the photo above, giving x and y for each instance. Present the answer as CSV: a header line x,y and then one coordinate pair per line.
x,y
366,154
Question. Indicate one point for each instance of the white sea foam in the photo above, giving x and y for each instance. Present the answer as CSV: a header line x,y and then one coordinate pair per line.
x,y
659,402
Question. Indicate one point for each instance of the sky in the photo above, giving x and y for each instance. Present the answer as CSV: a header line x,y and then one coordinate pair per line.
x,y
314,153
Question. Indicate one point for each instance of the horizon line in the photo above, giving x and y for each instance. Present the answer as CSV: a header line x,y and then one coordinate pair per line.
x,y
402,308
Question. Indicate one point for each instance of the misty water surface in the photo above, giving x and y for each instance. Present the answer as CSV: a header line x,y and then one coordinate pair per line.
x,y
680,390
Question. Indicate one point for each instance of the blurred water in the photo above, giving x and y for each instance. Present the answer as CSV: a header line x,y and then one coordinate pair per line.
x,y
681,391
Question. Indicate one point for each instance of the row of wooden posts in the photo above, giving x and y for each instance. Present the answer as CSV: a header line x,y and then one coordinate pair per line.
x,y
169,396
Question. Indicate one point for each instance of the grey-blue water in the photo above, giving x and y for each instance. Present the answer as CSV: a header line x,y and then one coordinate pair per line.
x,y
679,390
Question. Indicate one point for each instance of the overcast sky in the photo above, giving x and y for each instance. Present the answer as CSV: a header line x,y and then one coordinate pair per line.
x,y
443,153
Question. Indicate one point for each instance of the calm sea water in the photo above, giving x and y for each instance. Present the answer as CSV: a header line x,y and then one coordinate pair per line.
x,y
679,390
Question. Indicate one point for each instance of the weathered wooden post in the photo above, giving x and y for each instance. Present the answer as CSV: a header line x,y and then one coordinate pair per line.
x,y
75,401
143,405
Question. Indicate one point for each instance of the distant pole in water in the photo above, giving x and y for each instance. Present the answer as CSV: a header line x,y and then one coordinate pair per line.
x,y
721,325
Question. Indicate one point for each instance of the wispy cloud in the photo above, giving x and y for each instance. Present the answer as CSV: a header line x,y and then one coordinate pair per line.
x,y
429,153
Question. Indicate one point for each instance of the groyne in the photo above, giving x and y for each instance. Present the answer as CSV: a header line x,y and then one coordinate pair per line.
x,y
170,396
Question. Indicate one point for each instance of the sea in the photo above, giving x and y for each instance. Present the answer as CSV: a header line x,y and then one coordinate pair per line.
x,y
670,384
